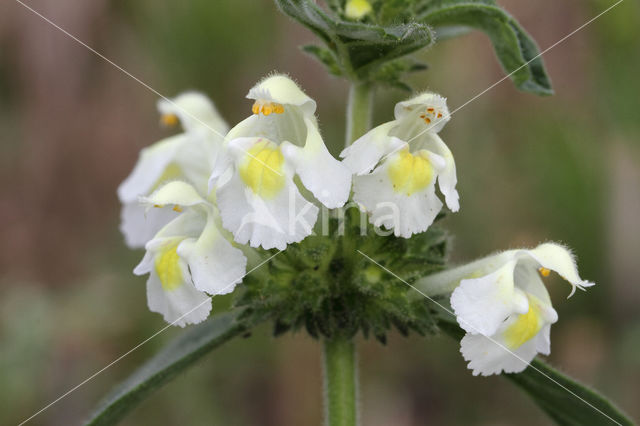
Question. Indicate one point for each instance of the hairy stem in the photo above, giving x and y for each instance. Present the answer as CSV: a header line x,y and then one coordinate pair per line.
x,y
358,111
340,382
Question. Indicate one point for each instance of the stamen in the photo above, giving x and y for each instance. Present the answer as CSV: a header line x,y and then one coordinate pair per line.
x,y
544,271
266,108
169,120
177,208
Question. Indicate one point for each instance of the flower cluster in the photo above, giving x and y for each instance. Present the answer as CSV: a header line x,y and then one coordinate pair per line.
x,y
200,202
206,204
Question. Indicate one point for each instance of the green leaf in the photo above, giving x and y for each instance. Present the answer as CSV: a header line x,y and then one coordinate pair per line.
x,y
360,48
552,391
391,73
513,46
584,407
184,351
325,56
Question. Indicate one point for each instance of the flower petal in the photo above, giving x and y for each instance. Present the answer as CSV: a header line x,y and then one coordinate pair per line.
x,y
447,178
430,107
195,110
283,90
366,152
489,356
482,304
149,169
182,305
215,265
286,218
559,259
327,178
188,224
405,213
176,192
139,224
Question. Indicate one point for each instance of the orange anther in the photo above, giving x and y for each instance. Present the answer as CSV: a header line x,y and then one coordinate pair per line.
x,y
544,272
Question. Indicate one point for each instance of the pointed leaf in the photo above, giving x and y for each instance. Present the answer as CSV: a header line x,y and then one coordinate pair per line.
x,y
566,401
184,351
513,46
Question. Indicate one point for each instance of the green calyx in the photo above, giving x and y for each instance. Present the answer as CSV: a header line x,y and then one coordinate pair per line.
x,y
323,284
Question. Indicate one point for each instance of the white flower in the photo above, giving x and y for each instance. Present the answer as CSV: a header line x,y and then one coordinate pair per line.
x,y
397,163
257,197
190,156
503,305
188,257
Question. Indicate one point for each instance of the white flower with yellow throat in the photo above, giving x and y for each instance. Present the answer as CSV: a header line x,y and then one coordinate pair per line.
x,y
258,199
189,258
396,166
503,305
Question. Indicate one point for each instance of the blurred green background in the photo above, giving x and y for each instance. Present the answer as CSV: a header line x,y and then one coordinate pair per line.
x,y
565,168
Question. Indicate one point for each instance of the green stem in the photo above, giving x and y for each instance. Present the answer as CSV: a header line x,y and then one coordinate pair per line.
x,y
340,382
358,111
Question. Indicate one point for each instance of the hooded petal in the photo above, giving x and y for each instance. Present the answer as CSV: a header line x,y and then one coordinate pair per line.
x,y
216,266
327,178
482,304
194,111
282,90
177,193
430,109
558,258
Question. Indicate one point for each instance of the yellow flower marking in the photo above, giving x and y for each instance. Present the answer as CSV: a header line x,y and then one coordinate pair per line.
x,y
171,172
169,120
168,268
262,169
410,173
525,327
266,108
